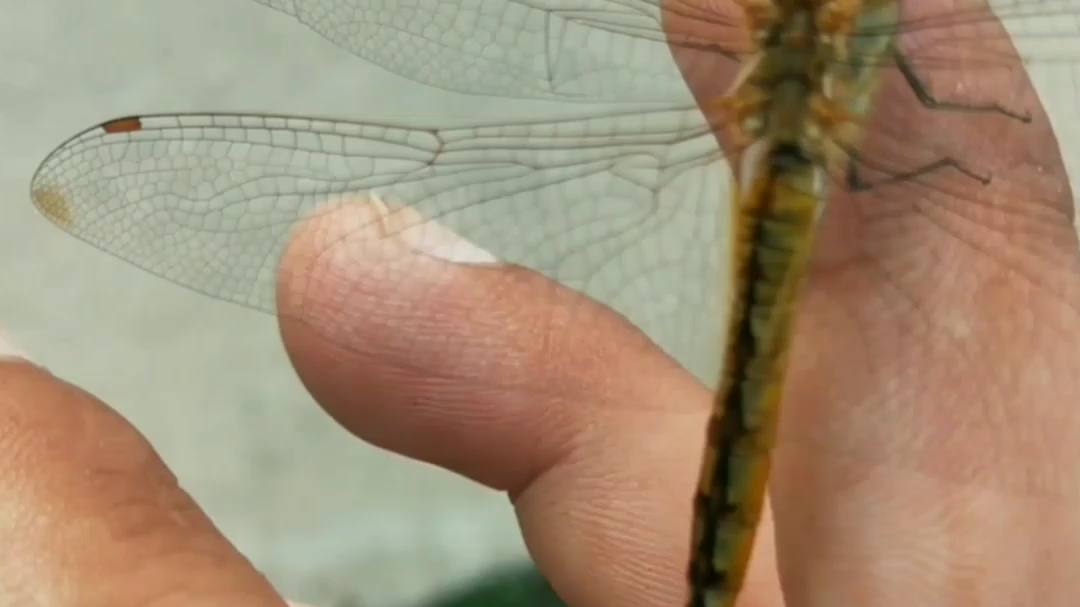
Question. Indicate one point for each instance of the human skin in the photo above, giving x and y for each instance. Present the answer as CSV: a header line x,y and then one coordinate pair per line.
x,y
926,455
596,436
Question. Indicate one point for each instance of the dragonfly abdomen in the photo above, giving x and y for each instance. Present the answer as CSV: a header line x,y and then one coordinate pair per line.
x,y
797,106
775,229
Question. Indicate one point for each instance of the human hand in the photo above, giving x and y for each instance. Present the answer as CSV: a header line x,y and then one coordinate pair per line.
x,y
504,377
90,514
93,516
912,462
923,455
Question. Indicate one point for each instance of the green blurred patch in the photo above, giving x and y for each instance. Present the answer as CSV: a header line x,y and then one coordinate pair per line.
x,y
518,586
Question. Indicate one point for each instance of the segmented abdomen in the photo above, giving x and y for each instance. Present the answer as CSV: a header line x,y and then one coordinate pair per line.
x,y
775,224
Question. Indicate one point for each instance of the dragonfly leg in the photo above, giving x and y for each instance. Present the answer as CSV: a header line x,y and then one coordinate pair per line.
x,y
856,183
928,101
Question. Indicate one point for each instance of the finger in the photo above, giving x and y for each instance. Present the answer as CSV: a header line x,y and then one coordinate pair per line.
x,y
947,304
89,514
501,375
925,447
916,401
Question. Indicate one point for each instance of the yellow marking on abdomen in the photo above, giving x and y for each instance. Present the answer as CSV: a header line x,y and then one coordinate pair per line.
x,y
775,225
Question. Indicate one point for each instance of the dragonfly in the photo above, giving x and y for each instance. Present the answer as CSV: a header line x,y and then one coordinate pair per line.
x,y
624,202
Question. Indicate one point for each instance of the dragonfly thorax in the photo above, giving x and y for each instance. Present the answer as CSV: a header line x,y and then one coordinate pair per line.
x,y
806,87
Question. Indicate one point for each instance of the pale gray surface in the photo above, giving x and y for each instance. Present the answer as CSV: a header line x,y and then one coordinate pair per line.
x,y
312,507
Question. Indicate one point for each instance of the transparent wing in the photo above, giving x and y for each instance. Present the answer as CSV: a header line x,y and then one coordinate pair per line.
x,y
574,50
1044,31
209,200
621,50
623,206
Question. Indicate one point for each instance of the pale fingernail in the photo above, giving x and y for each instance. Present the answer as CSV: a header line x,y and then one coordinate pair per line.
x,y
426,236
9,350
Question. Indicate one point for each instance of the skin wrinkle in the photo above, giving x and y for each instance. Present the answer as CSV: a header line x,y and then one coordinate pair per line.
x,y
897,270
568,443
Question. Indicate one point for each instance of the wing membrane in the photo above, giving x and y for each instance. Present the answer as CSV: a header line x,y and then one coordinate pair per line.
x,y
574,50
209,200
618,51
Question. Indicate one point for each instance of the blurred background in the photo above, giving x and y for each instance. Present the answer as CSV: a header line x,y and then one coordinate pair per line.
x,y
330,520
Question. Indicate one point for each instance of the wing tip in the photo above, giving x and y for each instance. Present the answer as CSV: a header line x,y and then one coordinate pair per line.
x,y
54,205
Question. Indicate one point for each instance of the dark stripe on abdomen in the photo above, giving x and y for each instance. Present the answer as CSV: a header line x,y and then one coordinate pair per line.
x,y
769,257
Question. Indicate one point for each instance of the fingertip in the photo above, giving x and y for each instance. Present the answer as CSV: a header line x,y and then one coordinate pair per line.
x,y
485,369
382,314
88,506
501,375
349,250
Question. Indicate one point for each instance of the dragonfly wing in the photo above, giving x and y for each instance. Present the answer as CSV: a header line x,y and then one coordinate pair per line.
x,y
987,37
574,50
619,207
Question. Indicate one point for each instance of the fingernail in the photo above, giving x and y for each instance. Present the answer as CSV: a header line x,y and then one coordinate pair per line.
x,y
9,350
426,236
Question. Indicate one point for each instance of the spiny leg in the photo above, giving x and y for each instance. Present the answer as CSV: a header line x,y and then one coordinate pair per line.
x,y
855,183
928,101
